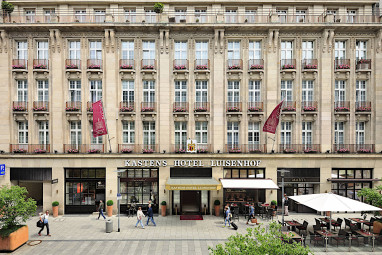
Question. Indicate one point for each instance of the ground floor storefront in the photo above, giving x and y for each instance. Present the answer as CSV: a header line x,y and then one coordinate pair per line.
x,y
187,183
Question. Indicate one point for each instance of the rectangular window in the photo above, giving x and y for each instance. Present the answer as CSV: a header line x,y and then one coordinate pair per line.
x,y
233,50
180,50
307,138
201,15
201,51
148,91
95,90
130,15
42,50
22,132
360,93
250,15
80,15
287,90
95,50
201,91
99,15
180,15
42,90
307,50
286,133
361,50
128,91
307,91
127,50
148,132
181,134
75,50
286,50
300,16
75,132
282,14
148,49
30,16
340,91
360,132
22,90
201,132
22,50
339,133
352,16
150,16
128,132
340,49
231,16
95,140
254,89
75,90
43,132
233,133
233,92
254,50
180,91
253,134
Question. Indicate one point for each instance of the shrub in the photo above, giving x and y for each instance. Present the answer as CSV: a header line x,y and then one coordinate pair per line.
x,y
55,203
7,7
109,202
217,202
274,202
158,7
163,203
372,196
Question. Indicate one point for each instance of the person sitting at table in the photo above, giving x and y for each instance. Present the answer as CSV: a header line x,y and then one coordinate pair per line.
x,y
251,212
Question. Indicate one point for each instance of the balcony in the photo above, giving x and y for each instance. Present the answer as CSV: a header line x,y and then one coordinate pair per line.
x,y
234,148
364,148
289,106
127,148
363,106
148,107
73,64
363,64
19,148
255,65
148,65
202,65
310,148
288,64
19,65
309,106
89,107
179,148
180,107
234,65
20,106
255,148
126,107
40,106
127,64
342,106
203,148
342,64
233,107
353,148
40,64
83,148
255,107
73,106
148,148
288,148
309,65
94,64
39,148
180,65
201,107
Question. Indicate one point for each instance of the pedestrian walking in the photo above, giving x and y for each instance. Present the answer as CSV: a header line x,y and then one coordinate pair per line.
x,y
140,216
45,220
286,205
150,215
251,212
227,217
100,210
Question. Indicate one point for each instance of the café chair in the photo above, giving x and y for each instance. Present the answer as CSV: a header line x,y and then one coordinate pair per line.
x,y
348,223
316,238
353,235
372,219
317,228
341,237
303,227
236,213
338,223
319,223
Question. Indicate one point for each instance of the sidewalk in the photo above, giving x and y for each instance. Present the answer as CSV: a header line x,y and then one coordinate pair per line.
x,y
83,234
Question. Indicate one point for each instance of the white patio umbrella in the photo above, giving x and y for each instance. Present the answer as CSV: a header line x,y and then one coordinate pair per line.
x,y
329,202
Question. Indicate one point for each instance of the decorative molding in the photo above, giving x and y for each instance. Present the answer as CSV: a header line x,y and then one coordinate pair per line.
x,y
3,41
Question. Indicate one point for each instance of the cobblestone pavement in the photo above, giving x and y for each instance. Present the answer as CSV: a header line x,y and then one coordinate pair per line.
x,y
83,234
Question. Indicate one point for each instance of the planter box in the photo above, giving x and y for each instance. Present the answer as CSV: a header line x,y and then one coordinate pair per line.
x,y
14,240
163,210
109,210
55,211
217,210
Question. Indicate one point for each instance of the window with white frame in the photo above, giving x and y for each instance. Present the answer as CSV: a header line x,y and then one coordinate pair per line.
x,y
307,91
287,90
340,49
75,50
282,14
250,15
22,50
180,91
181,133
42,90
22,132
75,132
307,138
148,132
286,50
148,50
95,140
360,92
340,91
233,50
75,90
351,18
201,15
254,50
254,89
95,50
130,15
43,132
233,95
30,15
201,132
22,90
253,133
339,130
80,15
128,132
42,50
286,132
233,133
201,50
150,16
201,91
180,15
127,49
148,91
48,13
300,16
231,15
180,50
360,132
128,91
99,15
307,50
361,50
95,90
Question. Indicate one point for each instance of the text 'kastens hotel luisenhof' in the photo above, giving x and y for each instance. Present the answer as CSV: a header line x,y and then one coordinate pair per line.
x,y
209,73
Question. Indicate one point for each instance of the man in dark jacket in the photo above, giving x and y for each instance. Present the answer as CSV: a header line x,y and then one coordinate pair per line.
x,y
150,215
100,210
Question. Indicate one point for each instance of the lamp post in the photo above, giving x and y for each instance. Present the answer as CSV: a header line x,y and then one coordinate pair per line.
x,y
118,194
282,173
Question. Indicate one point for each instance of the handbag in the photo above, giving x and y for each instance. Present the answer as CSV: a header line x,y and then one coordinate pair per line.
x,y
39,224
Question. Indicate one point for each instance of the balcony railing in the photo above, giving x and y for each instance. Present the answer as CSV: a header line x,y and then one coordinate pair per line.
x,y
20,106
180,64
289,106
235,64
309,106
148,107
255,148
286,64
19,64
342,106
180,107
127,64
354,148
255,107
202,64
203,148
39,148
309,64
342,64
74,106
255,64
127,148
84,148
148,64
363,64
40,106
233,107
40,64
364,148
310,148
89,107
363,106
94,64
179,148
72,64
288,148
19,148
201,107
234,148
148,148
127,106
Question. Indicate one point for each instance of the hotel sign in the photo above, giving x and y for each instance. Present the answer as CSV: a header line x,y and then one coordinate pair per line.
x,y
192,163
193,187
191,146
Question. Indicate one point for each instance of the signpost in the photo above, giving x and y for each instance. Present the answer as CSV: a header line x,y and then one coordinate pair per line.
x,y
119,196
2,169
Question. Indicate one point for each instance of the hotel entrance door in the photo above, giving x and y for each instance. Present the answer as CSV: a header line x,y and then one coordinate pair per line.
x,y
190,201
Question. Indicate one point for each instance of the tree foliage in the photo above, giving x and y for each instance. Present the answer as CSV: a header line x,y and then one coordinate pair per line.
x,y
259,241
15,207
7,7
372,196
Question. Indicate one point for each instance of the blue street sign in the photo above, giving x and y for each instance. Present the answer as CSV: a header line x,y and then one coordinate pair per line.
x,y
2,169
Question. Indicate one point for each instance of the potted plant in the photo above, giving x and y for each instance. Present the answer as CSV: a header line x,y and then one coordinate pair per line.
x,y
217,207
109,208
55,205
7,8
13,233
273,204
163,208
158,7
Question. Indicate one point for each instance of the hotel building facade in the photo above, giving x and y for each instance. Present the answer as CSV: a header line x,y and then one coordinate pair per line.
x,y
202,70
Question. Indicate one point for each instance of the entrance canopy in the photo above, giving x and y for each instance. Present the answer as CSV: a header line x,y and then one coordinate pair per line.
x,y
248,184
192,184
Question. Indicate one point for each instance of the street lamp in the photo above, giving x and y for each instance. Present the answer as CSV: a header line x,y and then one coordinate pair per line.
x,y
282,173
118,194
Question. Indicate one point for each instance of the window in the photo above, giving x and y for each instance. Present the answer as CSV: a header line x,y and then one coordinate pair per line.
x,y
233,50
300,16
80,15
242,174
340,91
349,188
95,90
22,90
30,16
233,133
42,90
151,16
339,133
361,50
128,132
307,138
99,15
201,51
286,50
43,132
180,15
287,90
180,91
282,14
22,132
307,50
360,132
231,16
75,90
254,94
201,91
148,48
180,50
201,15
130,15
233,92
253,134
254,50
360,93
128,91
75,132
42,50
286,133
340,50
95,140
351,16
75,50
22,50
180,134
95,50
47,14
148,132
201,132
307,91
250,15
148,91
127,50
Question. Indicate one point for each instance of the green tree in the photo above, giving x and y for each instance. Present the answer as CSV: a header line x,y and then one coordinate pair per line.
x,y
372,196
15,207
7,7
259,241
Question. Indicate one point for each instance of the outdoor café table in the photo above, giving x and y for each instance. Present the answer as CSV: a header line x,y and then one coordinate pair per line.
x,y
326,234
365,234
293,224
359,220
291,234
326,220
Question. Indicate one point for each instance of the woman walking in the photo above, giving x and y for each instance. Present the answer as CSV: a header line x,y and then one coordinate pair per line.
x,y
44,219
140,216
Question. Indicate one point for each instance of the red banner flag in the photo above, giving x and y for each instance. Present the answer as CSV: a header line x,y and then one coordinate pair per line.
x,y
99,125
273,119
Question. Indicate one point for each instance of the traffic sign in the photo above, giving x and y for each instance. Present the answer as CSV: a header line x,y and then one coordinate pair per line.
x,y
2,169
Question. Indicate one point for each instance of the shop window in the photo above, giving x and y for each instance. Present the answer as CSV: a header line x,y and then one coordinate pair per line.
x,y
227,174
260,173
235,173
243,173
353,184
